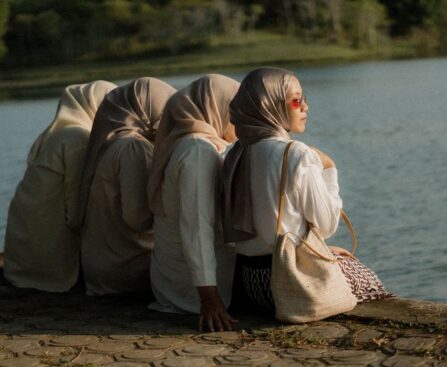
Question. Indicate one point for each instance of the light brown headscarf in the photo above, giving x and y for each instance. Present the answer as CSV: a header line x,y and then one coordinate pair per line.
x,y
200,109
77,107
134,108
258,111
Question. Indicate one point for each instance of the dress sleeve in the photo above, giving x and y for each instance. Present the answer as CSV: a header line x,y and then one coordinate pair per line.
x,y
318,193
133,174
198,175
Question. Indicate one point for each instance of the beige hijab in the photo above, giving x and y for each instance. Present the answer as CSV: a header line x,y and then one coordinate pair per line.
x,y
77,107
134,108
201,109
258,111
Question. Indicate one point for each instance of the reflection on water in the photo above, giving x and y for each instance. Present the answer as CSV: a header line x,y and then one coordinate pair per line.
x,y
385,125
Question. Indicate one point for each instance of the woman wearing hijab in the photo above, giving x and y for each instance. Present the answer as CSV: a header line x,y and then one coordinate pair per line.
x,y
116,218
42,238
191,268
269,104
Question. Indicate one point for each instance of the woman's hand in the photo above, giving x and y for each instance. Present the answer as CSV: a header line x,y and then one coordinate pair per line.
x,y
213,314
327,161
341,252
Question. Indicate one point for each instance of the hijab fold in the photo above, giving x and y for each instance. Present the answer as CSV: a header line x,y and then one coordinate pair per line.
x,y
201,109
134,108
77,107
258,111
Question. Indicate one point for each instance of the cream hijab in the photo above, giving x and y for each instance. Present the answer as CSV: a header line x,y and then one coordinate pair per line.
x,y
77,107
258,111
134,108
201,109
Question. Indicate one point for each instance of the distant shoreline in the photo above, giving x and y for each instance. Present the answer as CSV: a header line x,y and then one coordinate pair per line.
x,y
245,52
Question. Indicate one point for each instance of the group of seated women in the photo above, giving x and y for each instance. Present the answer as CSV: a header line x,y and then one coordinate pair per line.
x,y
142,187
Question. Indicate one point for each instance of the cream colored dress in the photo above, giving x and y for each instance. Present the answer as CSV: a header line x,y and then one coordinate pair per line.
x,y
42,239
189,250
116,235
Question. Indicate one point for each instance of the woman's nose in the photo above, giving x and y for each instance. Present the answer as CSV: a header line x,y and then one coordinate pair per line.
x,y
305,108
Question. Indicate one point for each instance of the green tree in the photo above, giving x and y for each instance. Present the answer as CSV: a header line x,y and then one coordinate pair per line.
x,y
439,17
365,22
4,14
35,37
406,14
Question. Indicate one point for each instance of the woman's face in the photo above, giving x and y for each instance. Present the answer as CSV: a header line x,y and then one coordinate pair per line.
x,y
297,107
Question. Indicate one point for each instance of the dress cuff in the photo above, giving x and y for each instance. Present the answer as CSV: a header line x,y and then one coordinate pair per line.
x,y
204,278
330,177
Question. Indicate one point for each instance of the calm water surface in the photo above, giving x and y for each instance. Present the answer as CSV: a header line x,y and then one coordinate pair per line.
x,y
385,125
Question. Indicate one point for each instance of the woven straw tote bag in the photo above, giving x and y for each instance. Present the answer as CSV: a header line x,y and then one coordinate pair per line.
x,y
307,283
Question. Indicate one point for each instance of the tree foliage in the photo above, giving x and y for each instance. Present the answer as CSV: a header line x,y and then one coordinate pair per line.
x,y
4,13
32,31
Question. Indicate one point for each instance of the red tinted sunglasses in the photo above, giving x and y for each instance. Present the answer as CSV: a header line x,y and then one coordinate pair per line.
x,y
298,102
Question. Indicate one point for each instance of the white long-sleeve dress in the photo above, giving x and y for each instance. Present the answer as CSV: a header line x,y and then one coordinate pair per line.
x,y
189,250
311,194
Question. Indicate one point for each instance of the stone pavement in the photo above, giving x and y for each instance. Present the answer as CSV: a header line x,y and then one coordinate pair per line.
x,y
42,329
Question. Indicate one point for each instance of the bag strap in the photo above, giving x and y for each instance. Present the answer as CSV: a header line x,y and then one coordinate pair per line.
x,y
282,187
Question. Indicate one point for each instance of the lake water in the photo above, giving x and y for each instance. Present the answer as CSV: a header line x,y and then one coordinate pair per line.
x,y
385,125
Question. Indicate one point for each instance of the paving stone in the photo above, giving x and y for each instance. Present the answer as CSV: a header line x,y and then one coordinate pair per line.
x,y
19,346
201,350
351,357
180,329
416,344
49,351
86,358
126,364
260,345
405,361
124,337
39,337
296,363
245,358
93,329
12,292
403,310
62,325
15,327
303,353
184,362
74,340
147,325
147,355
222,337
5,355
366,336
109,347
327,331
291,328
21,362
161,343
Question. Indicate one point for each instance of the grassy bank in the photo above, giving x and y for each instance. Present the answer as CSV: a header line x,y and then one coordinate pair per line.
x,y
241,52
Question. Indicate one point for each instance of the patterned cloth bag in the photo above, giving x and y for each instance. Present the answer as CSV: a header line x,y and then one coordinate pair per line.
x,y
307,283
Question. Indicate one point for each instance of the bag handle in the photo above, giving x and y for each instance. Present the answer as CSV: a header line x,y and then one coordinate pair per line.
x,y
282,187
343,214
